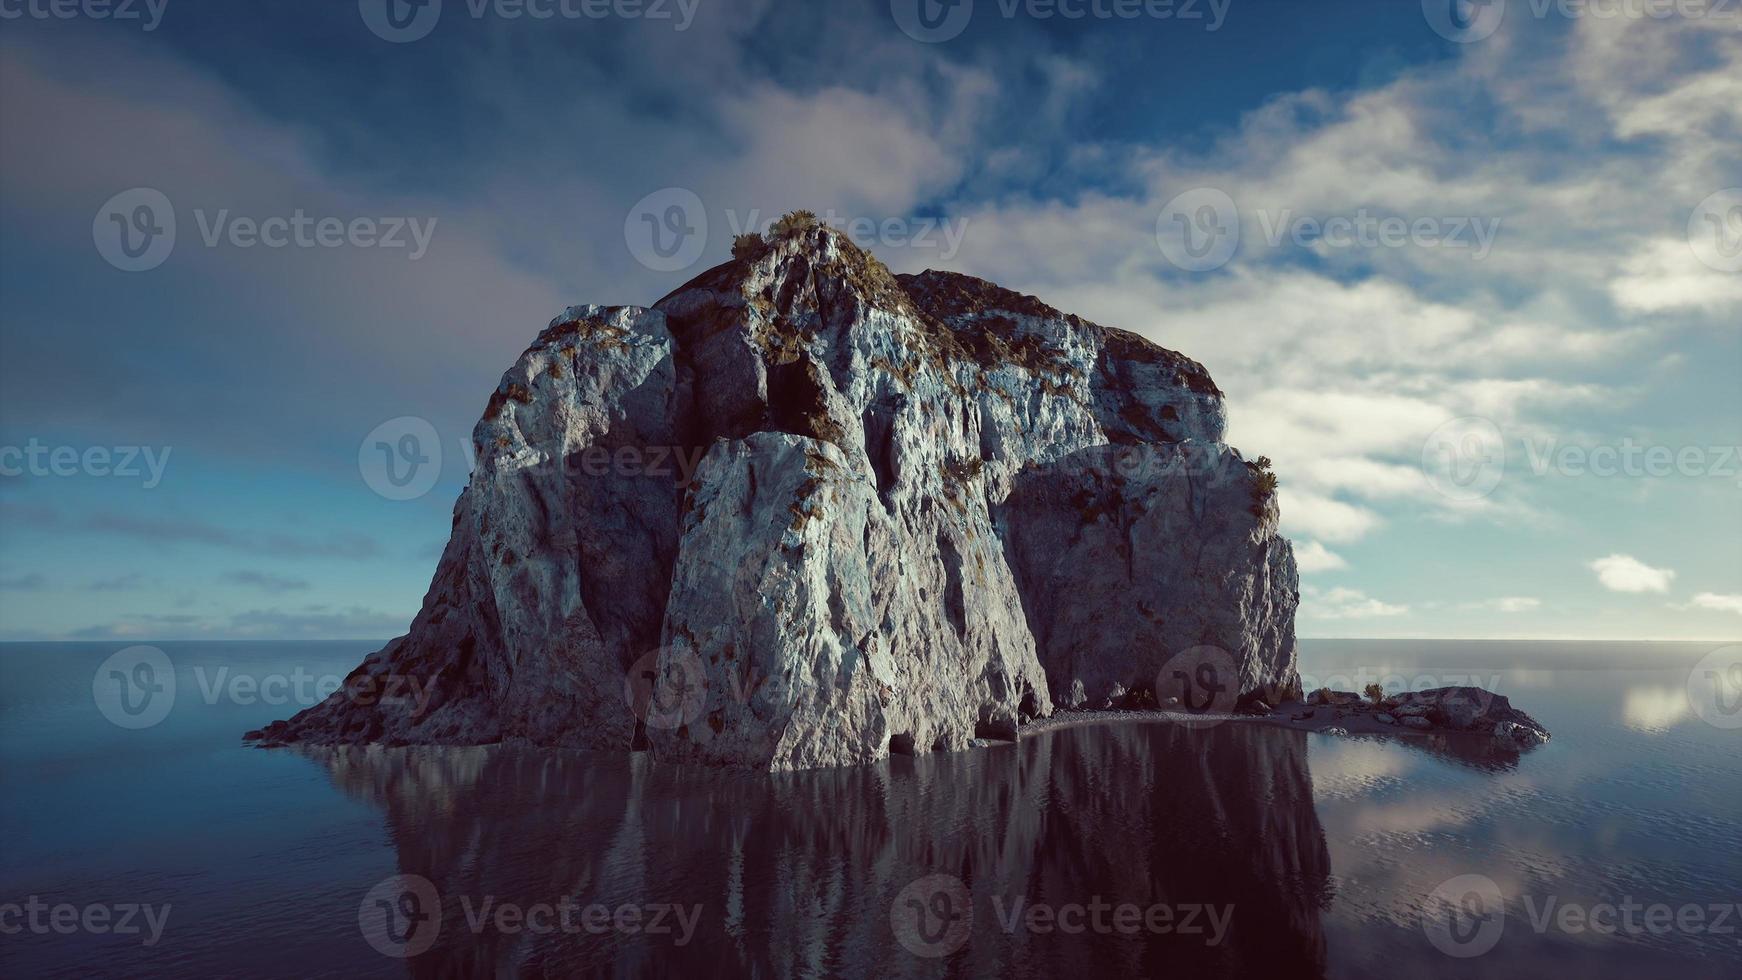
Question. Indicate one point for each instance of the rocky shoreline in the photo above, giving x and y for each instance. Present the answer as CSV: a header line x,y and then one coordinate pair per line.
x,y
1463,711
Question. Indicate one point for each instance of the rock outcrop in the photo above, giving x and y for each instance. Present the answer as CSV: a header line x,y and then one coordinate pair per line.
x,y
1441,710
803,512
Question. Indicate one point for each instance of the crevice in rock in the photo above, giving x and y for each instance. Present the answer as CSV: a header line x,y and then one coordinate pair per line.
x,y
1002,728
837,610
798,402
955,603
880,450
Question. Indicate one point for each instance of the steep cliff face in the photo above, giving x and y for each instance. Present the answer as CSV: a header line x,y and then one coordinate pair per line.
x,y
803,513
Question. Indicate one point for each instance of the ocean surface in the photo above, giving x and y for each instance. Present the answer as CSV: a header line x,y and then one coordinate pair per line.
x,y
1147,849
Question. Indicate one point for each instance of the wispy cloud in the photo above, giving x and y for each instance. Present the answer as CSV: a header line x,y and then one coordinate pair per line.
x,y
309,622
177,530
1506,604
266,581
1345,603
120,583
1713,600
320,621
1312,556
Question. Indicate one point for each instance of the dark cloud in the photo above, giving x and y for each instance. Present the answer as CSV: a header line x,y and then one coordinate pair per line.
x,y
313,622
320,622
176,530
121,583
266,581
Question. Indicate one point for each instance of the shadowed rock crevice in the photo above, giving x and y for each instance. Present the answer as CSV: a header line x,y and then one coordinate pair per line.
x,y
902,518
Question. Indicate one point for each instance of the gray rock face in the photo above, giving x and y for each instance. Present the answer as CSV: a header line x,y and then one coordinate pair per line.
x,y
803,510
1472,709
1138,553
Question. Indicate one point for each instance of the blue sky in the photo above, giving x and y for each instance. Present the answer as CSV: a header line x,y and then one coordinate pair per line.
x,y
1554,293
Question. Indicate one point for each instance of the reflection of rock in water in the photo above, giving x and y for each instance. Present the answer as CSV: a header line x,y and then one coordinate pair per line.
x,y
1474,751
796,873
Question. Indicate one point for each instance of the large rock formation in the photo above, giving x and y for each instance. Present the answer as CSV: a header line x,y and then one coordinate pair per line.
x,y
803,512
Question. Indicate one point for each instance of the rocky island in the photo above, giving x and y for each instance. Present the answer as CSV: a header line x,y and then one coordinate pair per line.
x,y
803,512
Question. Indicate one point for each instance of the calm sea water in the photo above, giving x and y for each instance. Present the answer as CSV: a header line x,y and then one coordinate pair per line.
x,y
1135,849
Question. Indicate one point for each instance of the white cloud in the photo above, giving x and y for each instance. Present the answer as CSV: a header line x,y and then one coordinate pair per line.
x,y
1625,573
1312,556
1665,275
1344,603
1304,512
839,149
1339,364
1712,600
1507,604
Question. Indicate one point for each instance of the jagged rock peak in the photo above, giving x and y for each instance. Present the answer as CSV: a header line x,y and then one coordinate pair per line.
x,y
894,514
